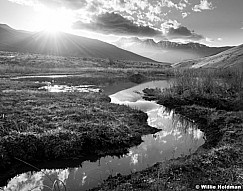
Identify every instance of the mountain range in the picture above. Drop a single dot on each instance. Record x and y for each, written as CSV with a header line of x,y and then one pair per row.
x,y
231,58
166,51
62,44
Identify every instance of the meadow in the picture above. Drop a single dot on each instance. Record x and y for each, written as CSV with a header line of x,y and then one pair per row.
x,y
74,125
13,63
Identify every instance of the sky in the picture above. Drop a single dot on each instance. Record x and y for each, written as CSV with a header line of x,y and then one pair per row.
x,y
210,22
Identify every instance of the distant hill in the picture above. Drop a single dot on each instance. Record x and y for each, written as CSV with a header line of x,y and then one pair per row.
x,y
62,44
229,58
166,51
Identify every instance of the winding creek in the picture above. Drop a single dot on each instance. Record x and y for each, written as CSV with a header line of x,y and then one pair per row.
x,y
178,137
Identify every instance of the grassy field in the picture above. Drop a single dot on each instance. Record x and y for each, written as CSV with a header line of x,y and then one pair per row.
x,y
12,64
213,99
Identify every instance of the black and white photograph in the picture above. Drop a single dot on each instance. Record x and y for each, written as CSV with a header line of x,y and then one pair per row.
x,y
114,95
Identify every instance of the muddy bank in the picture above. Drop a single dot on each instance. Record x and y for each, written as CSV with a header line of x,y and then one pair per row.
x,y
40,126
218,162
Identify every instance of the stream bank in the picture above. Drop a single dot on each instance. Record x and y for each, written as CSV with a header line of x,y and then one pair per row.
x,y
218,162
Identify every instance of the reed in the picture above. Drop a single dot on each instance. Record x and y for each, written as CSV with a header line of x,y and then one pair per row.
x,y
214,88
207,82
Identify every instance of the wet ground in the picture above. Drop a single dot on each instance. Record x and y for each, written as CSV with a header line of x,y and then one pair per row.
x,y
178,137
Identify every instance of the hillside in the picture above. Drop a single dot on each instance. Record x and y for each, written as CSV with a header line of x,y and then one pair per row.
x,y
61,44
166,51
229,58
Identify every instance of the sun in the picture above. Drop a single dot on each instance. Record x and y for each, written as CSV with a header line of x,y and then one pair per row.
x,y
52,28
54,21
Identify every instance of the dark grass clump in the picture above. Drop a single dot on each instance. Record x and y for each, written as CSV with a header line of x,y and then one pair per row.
x,y
137,78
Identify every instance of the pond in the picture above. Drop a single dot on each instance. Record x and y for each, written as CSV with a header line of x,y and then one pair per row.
x,y
178,137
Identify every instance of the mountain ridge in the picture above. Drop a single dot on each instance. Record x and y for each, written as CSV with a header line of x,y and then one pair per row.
x,y
167,51
61,44
167,43
227,59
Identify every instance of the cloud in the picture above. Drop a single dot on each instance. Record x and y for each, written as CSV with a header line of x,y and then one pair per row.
x,y
144,18
219,39
71,4
170,4
94,7
204,5
209,39
113,23
183,32
152,12
23,2
165,26
184,15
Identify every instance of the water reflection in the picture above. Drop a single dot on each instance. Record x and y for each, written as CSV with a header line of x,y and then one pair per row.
x,y
38,181
44,76
178,137
66,88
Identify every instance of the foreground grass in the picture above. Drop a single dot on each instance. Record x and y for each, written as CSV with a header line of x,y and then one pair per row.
x,y
38,126
213,100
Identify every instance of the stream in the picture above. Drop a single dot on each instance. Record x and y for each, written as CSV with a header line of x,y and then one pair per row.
x,y
178,137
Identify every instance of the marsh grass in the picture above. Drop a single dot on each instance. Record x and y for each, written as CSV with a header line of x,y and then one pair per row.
x,y
19,64
207,81
214,88
13,63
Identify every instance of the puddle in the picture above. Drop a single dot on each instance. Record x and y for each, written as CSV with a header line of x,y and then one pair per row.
x,y
178,137
66,88
43,76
